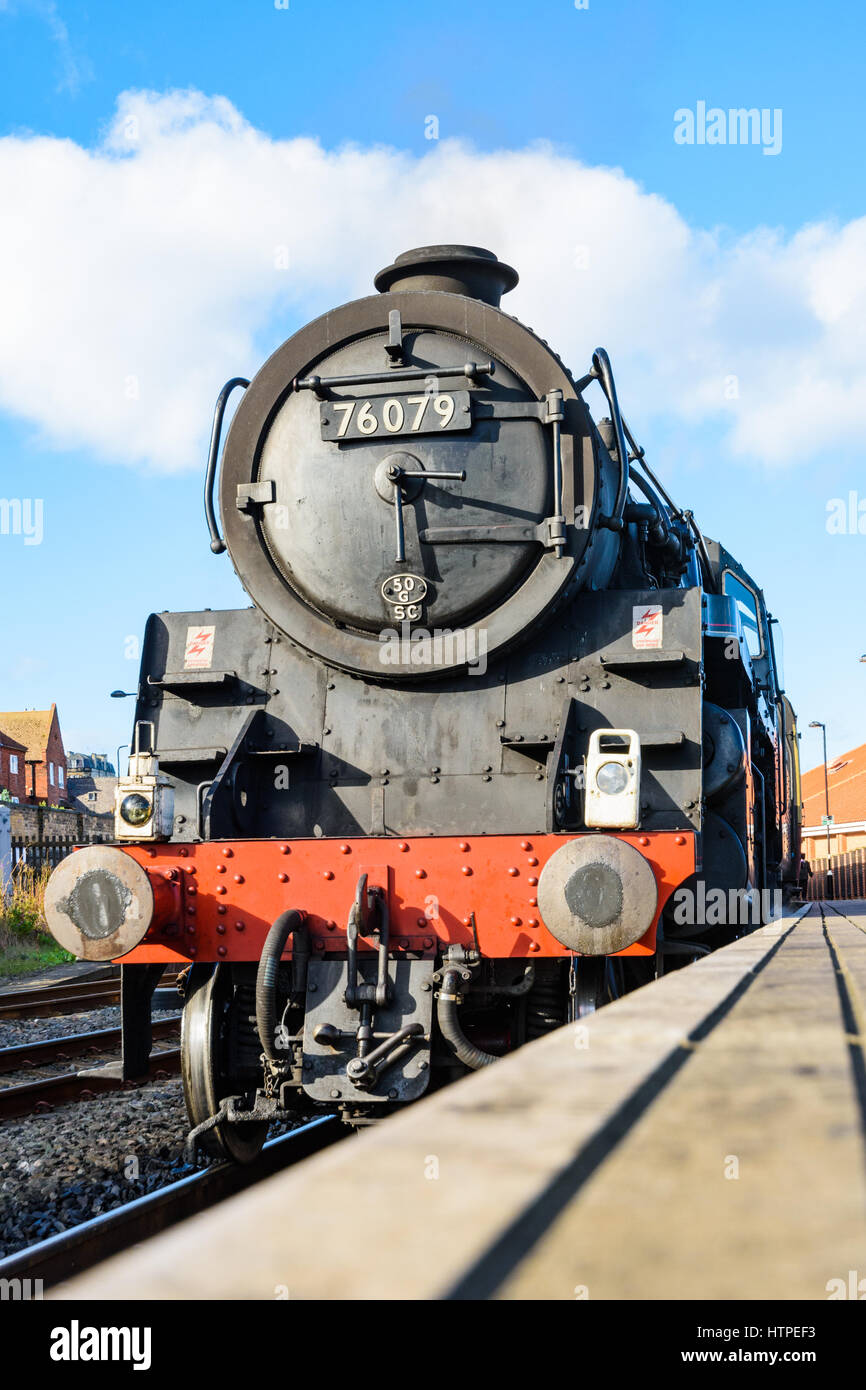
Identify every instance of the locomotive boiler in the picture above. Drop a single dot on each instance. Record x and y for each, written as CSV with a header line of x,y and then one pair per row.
x,y
501,737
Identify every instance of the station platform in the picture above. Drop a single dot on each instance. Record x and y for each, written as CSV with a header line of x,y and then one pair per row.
x,y
702,1138
73,970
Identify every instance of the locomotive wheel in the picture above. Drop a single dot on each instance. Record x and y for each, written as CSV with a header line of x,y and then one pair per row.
x,y
207,1064
594,986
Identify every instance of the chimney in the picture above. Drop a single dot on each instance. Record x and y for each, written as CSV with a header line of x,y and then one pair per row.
x,y
466,270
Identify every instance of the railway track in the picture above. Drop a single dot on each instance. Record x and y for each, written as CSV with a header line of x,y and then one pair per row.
x,y
35,1054
67,998
73,996
30,1097
83,1246
33,1096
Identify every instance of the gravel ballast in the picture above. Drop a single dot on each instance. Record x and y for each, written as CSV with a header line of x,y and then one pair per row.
x,y
16,1032
63,1167
66,1165
69,1164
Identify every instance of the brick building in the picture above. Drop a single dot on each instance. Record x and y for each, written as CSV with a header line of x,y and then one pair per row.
x,y
91,783
847,783
90,764
12,768
44,758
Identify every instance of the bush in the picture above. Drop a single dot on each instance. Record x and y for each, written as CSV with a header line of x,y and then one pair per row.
x,y
21,914
21,921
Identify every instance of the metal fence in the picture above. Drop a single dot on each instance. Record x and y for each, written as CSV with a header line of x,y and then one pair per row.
x,y
840,876
36,854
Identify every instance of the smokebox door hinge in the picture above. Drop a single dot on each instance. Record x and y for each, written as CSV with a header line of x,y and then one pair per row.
x,y
252,495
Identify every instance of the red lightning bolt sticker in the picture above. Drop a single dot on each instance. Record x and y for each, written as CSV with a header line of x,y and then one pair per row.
x,y
646,626
198,652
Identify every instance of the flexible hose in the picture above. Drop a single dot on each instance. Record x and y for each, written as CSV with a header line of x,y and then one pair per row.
x,y
662,529
449,1026
523,985
287,924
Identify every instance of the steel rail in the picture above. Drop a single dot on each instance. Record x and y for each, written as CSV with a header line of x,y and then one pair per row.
x,y
61,990
34,1054
31,1096
103,978
70,999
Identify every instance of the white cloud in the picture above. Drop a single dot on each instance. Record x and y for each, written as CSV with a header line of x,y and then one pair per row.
x,y
149,265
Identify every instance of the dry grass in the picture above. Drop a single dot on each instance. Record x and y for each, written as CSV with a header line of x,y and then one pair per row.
x,y
25,942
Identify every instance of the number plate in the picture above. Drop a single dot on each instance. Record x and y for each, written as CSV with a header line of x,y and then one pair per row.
x,y
384,417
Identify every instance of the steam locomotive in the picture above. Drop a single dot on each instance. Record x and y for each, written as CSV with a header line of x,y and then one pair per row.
x,y
502,736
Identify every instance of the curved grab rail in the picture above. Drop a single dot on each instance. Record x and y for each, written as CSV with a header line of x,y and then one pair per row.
x,y
217,544
601,369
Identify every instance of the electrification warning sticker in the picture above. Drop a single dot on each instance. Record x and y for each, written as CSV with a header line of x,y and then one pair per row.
x,y
646,627
198,652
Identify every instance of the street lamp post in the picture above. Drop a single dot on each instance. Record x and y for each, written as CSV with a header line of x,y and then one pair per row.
x,y
816,724
122,695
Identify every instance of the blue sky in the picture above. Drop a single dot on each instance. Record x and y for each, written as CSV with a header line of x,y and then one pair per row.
x,y
725,261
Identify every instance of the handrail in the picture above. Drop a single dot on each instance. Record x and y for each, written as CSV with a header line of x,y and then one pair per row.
x,y
601,369
217,544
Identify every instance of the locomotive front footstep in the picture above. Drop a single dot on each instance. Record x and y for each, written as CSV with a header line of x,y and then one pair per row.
x,y
699,1139
502,736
